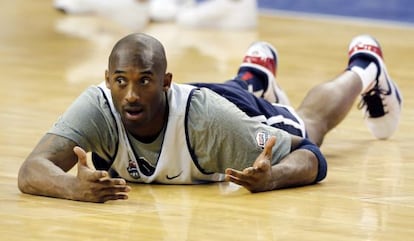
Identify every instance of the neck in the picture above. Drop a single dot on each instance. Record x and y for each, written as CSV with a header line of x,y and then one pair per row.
x,y
148,135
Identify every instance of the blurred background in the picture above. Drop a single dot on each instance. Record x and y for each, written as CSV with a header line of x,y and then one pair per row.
x,y
399,11
51,50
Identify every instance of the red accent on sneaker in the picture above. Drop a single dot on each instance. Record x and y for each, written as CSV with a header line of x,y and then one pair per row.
x,y
246,76
361,46
268,63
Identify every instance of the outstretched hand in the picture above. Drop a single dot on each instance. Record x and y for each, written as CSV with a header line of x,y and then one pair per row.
x,y
97,186
257,178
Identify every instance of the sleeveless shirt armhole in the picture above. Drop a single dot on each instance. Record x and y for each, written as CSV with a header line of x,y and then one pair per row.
x,y
112,158
187,136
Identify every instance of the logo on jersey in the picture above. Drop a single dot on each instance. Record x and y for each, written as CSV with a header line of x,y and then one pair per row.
x,y
261,139
133,169
173,177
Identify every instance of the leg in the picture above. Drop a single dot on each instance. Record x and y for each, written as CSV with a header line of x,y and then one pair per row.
x,y
327,104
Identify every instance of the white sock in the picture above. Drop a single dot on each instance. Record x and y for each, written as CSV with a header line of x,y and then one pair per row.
x,y
367,75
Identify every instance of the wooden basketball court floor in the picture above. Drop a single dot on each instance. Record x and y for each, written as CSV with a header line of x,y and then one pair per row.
x,y
47,59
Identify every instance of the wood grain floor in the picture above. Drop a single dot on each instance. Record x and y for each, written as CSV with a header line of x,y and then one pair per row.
x,y
47,59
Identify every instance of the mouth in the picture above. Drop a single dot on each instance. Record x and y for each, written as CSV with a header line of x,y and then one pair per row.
x,y
133,113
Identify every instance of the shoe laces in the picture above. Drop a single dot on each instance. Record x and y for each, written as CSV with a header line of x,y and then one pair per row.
x,y
373,101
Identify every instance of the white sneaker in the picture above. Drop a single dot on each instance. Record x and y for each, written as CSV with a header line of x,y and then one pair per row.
x,y
262,56
131,14
220,14
75,6
167,10
382,101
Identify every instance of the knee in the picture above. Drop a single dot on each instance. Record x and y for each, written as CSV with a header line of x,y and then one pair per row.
x,y
316,130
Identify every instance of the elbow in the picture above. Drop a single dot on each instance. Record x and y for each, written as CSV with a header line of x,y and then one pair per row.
x,y
319,166
319,159
23,179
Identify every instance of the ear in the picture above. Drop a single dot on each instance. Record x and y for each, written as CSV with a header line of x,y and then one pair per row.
x,y
167,81
107,79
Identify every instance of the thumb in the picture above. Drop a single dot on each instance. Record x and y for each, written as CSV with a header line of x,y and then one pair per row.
x,y
265,157
82,159
83,169
269,147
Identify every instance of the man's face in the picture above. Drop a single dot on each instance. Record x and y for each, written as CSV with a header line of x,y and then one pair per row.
x,y
138,92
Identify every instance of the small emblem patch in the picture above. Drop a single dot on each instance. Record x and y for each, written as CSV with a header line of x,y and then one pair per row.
x,y
133,169
261,139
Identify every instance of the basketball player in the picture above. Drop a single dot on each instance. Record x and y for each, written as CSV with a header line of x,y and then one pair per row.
x,y
142,127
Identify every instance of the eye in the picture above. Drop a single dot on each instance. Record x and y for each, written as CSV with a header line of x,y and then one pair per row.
x,y
144,81
120,80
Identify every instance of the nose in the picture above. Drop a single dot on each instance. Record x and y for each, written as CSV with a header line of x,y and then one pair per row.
x,y
132,95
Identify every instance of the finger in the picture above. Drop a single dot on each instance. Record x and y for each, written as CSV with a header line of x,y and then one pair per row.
x,y
87,174
247,174
119,196
114,185
266,155
232,172
81,155
237,177
269,146
98,175
112,181
114,191
228,173
92,175
238,181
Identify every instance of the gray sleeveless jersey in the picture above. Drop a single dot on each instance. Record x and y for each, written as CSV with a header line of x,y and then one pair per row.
x,y
220,135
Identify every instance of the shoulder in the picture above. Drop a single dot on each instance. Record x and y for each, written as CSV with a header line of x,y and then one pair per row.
x,y
88,121
88,110
92,99
93,94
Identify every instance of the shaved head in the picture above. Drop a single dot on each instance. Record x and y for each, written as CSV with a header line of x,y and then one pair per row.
x,y
141,50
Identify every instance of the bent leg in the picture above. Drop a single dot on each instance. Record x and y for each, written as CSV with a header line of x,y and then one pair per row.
x,y
327,104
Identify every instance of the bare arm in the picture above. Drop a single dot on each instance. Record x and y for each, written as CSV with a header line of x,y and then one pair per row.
x,y
298,168
44,172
